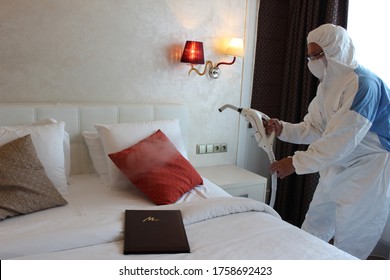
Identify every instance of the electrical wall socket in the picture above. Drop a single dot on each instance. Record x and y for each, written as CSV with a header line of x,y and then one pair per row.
x,y
211,148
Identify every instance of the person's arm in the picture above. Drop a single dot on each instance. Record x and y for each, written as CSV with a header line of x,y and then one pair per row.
x,y
305,132
302,133
344,131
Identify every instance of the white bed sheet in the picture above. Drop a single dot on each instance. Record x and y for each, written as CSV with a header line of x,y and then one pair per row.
x,y
218,226
227,237
94,214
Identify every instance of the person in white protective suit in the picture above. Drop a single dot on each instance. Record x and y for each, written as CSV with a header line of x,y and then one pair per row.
x,y
347,128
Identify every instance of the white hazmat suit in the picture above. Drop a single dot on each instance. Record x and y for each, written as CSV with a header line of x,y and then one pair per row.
x,y
348,129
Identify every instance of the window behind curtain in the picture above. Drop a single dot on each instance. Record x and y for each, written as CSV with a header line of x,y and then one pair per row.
x,y
369,28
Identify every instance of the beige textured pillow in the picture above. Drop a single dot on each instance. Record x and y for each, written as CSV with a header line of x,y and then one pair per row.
x,y
24,185
48,140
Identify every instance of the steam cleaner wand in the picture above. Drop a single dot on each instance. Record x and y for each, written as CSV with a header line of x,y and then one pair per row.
x,y
264,141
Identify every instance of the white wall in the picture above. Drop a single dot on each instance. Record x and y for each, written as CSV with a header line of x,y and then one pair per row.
x,y
370,36
117,51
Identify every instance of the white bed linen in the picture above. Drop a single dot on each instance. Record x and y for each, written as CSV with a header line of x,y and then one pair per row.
x,y
94,215
218,227
233,237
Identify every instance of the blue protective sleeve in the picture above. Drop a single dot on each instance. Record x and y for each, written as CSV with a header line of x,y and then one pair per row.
x,y
372,101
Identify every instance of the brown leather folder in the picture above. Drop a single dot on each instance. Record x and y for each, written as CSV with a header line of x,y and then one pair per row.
x,y
154,232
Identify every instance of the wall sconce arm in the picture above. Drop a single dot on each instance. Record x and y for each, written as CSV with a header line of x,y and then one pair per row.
x,y
227,63
208,63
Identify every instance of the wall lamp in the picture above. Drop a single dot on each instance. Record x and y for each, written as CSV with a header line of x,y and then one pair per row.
x,y
193,54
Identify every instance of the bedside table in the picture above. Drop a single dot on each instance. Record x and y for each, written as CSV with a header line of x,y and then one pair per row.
x,y
236,181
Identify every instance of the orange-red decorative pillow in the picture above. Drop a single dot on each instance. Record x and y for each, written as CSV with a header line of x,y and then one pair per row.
x,y
157,168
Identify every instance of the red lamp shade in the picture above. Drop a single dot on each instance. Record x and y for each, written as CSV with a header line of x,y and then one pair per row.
x,y
193,53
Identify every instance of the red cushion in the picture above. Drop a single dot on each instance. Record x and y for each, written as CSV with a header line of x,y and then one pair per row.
x,y
157,168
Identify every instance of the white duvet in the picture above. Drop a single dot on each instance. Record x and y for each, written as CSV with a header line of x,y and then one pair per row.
x,y
218,226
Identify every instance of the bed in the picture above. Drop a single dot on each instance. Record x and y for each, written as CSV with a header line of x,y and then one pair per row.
x,y
97,190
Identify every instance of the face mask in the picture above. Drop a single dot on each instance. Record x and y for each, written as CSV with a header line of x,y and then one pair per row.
x,y
317,68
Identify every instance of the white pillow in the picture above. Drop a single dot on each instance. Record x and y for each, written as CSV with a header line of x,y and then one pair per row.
x,y
96,152
48,140
66,146
67,157
117,137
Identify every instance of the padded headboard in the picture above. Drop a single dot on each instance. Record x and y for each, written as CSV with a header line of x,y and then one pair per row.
x,y
81,117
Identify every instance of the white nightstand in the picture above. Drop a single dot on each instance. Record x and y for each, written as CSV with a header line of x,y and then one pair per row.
x,y
236,181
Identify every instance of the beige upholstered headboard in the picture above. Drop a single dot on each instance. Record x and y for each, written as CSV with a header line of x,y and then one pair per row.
x,y
81,117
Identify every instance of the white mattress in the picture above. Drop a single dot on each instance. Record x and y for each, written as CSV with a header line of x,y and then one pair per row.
x,y
218,226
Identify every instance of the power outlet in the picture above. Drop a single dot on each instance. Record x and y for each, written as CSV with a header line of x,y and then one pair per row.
x,y
211,148
220,148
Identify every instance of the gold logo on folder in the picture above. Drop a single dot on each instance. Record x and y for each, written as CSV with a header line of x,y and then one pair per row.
x,y
150,219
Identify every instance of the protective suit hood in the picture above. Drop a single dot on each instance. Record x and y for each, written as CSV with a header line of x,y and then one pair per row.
x,y
338,49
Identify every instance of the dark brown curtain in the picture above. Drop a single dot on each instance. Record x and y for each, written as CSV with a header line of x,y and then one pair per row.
x,y
283,86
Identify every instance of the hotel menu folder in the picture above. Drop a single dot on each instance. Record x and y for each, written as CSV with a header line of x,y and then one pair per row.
x,y
154,232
